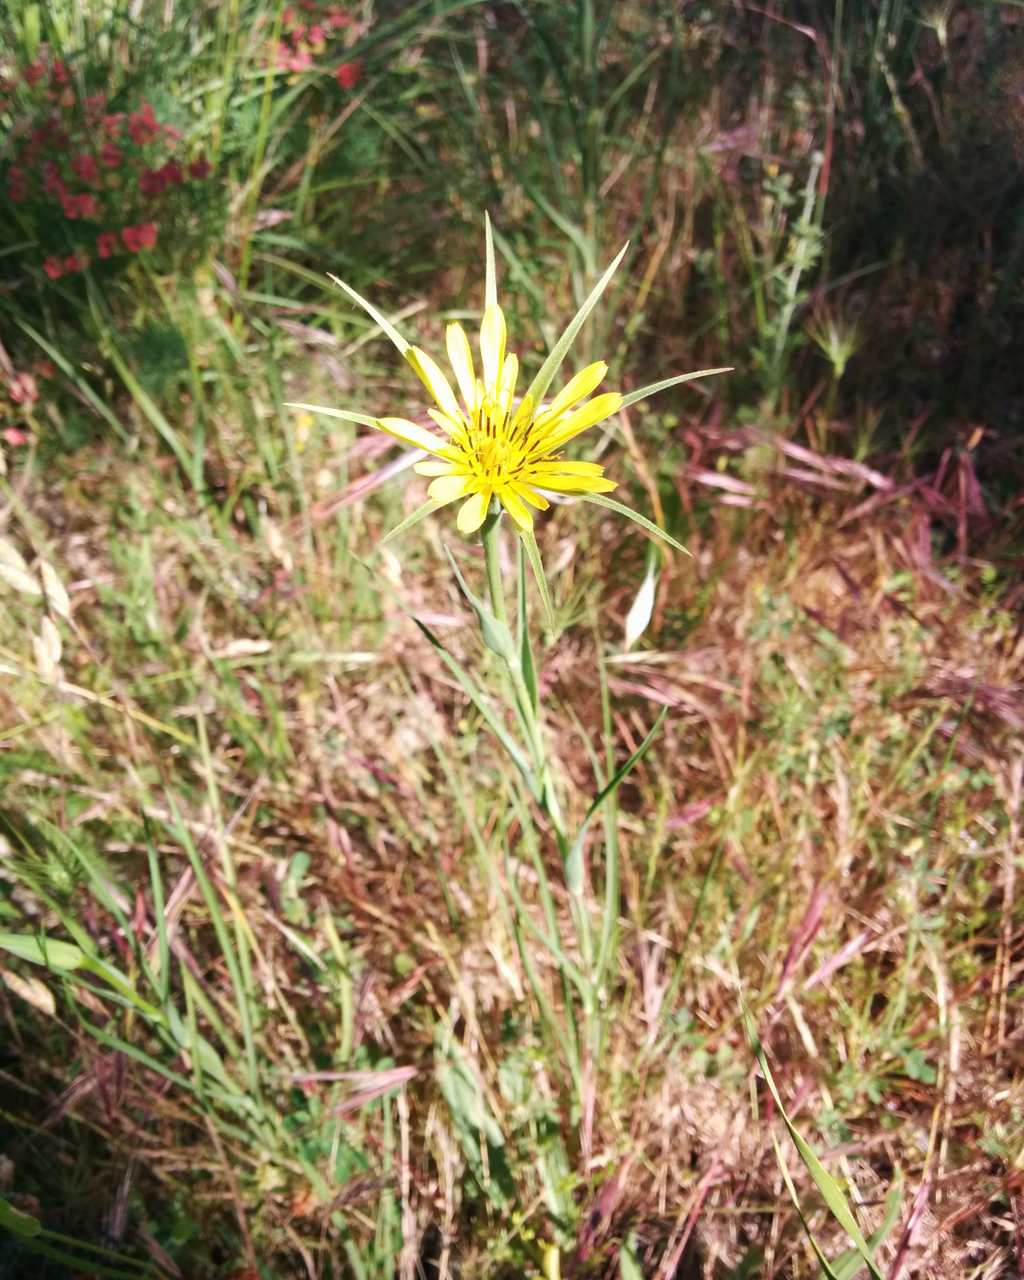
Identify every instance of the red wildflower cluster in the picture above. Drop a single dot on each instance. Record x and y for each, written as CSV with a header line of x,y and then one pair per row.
x,y
108,168
309,30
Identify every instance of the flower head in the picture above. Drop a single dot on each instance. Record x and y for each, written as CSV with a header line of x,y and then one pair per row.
x,y
139,237
494,448
348,74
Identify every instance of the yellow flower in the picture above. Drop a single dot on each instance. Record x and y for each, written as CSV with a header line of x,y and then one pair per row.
x,y
490,445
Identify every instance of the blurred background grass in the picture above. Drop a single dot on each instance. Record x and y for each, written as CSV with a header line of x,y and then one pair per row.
x,y
223,745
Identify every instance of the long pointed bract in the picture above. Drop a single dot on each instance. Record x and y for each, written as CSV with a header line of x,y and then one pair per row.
x,y
553,363
654,387
374,315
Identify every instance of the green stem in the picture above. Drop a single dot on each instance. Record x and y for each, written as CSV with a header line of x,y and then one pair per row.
x,y
491,538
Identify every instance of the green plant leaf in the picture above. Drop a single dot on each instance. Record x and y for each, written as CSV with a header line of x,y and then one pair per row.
x,y
629,1263
529,542
18,1223
546,373
827,1186
496,634
600,500
574,861
479,701
49,952
526,663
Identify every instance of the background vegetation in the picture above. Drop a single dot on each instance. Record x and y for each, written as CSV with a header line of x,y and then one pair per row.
x,y
266,1011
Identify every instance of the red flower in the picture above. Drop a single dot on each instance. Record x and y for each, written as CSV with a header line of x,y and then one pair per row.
x,y
113,124
16,435
200,169
85,166
106,244
152,182
142,124
34,72
315,35
288,17
336,18
172,174
111,155
74,263
16,187
59,73
53,184
142,236
349,74
54,268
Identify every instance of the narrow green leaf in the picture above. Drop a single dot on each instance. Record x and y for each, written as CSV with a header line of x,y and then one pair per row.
x,y
626,769
466,683
381,320
526,663
823,1180
826,1267
81,384
574,861
497,636
665,383
849,1263
629,1263
419,514
18,1223
599,499
553,363
491,275
39,949
529,543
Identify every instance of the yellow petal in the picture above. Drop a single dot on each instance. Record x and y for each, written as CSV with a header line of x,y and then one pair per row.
x,y
473,512
492,347
530,495
575,390
587,416
434,468
515,506
575,484
509,376
419,437
446,424
460,353
448,488
435,382
566,467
